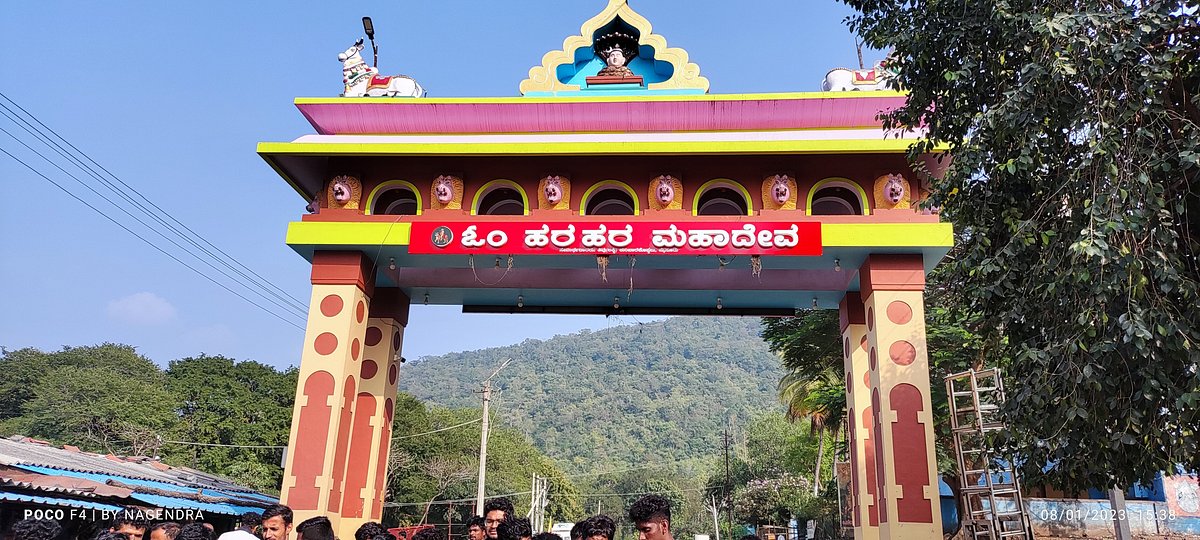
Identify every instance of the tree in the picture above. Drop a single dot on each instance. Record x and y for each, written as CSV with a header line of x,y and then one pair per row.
x,y
822,401
221,401
118,406
1072,132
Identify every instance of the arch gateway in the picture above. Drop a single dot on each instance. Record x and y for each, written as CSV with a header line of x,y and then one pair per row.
x,y
615,184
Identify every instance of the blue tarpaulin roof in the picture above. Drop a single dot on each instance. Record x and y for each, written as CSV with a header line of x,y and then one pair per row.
x,y
57,501
163,501
167,501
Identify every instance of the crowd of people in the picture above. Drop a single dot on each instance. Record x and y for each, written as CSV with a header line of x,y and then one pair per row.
x,y
651,515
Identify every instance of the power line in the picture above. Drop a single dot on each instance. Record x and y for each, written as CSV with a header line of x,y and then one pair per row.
x,y
135,218
189,443
469,422
152,210
139,237
449,501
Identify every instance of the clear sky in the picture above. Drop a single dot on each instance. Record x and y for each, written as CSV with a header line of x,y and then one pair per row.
x,y
173,96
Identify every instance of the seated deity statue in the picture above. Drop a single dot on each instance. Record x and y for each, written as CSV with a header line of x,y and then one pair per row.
x,y
616,49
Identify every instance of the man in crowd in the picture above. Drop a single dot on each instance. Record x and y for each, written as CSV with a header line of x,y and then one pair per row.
x,y
247,524
428,533
277,522
194,531
35,529
475,528
651,515
166,530
129,523
515,529
495,512
370,530
599,527
315,528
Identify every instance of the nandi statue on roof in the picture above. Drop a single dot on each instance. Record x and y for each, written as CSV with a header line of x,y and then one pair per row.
x,y
363,80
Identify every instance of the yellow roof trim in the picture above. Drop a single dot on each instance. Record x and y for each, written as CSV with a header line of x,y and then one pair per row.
x,y
852,146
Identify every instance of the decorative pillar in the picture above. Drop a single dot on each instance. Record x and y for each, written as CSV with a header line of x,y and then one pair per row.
x,y
370,439
892,288
327,387
863,485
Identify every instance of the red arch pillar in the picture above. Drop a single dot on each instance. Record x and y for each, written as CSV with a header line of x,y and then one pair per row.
x,y
341,424
893,288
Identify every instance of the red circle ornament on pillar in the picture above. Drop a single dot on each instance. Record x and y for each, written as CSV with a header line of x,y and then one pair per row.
x,y
903,353
396,342
325,344
355,348
874,360
331,305
870,318
392,372
374,336
368,370
899,312
361,311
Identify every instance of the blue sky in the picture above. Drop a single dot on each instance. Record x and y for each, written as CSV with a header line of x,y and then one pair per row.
x,y
173,96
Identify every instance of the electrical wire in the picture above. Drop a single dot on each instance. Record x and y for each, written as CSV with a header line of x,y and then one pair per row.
x,y
135,218
189,443
152,210
151,244
449,501
467,423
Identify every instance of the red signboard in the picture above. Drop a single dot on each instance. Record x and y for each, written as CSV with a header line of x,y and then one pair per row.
x,y
616,238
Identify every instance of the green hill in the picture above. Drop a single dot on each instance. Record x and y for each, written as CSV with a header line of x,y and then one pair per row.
x,y
648,393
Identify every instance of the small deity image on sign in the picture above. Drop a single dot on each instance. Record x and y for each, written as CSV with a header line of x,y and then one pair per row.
x,y
616,49
441,237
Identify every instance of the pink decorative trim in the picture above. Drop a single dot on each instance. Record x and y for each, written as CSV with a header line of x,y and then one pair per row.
x,y
397,117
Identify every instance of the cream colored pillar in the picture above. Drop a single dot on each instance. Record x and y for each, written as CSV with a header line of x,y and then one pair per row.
x,y
905,460
863,486
328,385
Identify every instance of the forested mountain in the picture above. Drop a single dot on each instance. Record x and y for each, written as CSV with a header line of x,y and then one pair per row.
x,y
647,393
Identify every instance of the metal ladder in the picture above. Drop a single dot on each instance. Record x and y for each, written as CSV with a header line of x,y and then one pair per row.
x,y
989,485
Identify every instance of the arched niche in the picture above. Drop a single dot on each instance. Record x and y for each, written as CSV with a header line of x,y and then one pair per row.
x,y
722,197
609,198
500,198
837,197
396,198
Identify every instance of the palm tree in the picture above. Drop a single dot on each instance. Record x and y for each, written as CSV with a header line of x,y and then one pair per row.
x,y
822,401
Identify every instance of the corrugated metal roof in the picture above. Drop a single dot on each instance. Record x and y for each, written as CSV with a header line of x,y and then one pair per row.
x,y
56,501
138,477
83,487
162,501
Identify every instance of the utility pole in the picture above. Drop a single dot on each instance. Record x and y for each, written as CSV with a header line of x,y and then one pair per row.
x,y
483,439
728,487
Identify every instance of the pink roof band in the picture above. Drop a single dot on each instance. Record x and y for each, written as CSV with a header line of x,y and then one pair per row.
x,y
375,116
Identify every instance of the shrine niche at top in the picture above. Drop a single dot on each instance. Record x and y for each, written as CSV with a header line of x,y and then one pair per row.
x,y
612,184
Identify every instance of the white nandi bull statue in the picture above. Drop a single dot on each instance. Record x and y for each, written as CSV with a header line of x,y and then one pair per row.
x,y
845,79
363,80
